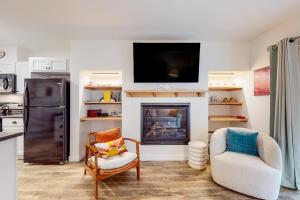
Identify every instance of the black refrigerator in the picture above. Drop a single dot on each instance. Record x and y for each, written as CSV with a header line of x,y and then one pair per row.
x,y
46,120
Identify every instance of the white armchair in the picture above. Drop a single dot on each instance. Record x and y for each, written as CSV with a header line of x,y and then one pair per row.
x,y
259,177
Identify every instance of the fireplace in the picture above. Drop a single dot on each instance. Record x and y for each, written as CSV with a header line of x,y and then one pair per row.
x,y
165,123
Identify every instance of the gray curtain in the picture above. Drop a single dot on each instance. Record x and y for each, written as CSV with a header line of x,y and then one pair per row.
x,y
287,111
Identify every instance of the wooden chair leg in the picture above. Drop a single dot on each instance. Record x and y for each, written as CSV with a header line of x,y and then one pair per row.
x,y
84,172
96,189
138,172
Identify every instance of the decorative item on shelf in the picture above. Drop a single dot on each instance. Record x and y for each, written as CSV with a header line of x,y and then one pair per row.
x,y
241,117
111,100
225,100
104,115
115,114
213,99
94,113
119,96
107,95
233,100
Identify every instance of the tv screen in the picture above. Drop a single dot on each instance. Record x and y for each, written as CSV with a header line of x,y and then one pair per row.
x,y
166,62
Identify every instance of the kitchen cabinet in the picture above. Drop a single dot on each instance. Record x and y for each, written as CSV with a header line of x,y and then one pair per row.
x,y
14,124
22,71
48,64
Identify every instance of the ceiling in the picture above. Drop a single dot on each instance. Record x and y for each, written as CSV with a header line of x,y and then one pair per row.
x,y
51,24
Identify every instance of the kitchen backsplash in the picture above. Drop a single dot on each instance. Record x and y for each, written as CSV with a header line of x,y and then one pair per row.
x,y
11,98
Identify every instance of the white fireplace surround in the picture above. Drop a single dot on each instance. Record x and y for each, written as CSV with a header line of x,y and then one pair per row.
x,y
132,127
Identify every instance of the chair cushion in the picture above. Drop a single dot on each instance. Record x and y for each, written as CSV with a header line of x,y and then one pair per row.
x,y
241,142
114,161
111,148
108,135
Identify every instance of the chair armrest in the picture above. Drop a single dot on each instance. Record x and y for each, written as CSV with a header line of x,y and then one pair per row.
x,y
133,140
137,145
92,149
91,137
218,142
269,151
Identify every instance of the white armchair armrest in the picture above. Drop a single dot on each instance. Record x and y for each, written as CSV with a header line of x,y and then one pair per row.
x,y
218,142
269,151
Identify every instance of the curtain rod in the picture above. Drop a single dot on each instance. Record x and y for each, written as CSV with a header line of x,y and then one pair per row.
x,y
292,39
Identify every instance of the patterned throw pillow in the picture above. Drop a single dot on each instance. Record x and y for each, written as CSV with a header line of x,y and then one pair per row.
x,y
111,148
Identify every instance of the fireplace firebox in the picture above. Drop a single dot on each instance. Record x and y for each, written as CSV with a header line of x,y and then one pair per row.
x,y
165,124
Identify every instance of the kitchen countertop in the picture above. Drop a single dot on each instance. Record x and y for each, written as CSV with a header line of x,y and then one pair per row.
x,y
9,135
12,116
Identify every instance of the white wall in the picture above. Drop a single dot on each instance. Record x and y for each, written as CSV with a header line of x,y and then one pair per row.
x,y
117,55
259,57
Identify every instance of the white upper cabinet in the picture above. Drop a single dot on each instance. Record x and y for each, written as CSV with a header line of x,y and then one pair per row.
x,y
58,64
48,64
39,64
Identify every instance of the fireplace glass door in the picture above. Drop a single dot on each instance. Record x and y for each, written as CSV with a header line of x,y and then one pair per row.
x,y
165,124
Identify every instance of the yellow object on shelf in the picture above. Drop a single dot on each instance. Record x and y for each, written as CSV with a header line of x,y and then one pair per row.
x,y
107,95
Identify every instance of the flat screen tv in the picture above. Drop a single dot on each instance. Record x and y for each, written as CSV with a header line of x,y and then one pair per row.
x,y
166,62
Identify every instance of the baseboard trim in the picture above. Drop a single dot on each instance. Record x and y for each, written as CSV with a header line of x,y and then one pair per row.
x,y
164,157
20,155
74,158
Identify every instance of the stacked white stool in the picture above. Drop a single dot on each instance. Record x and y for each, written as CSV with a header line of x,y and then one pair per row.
x,y
197,155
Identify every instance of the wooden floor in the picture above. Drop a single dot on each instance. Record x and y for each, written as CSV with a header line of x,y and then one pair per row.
x,y
159,180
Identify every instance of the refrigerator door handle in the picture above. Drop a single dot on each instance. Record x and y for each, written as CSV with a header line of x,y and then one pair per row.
x,y
26,96
25,119
62,92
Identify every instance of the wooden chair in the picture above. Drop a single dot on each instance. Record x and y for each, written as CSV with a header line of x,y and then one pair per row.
x,y
92,162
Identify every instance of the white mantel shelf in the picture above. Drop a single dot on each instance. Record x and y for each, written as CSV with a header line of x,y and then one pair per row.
x,y
165,93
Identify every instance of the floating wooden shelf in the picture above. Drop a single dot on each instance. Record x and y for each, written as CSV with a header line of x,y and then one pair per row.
x,y
224,88
100,119
228,103
97,102
165,93
225,118
88,87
